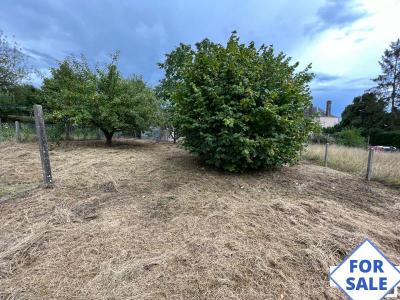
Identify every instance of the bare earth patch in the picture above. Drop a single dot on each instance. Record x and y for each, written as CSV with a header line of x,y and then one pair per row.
x,y
147,221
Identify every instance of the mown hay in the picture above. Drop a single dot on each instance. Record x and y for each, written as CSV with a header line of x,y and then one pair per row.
x,y
148,221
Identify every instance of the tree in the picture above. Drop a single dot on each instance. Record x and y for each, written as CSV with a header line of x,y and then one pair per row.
x,y
238,108
169,86
13,67
71,83
121,104
18,101
101,97
389,82
366,112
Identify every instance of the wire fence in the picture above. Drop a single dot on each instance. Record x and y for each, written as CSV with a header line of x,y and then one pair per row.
x,y
55,133
58,132
371,164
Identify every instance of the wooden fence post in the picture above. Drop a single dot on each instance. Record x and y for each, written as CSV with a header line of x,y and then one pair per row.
x,y
43,146
17,132
369,164
326,155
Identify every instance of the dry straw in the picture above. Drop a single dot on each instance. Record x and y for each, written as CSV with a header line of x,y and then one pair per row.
x,y
147,221
386,165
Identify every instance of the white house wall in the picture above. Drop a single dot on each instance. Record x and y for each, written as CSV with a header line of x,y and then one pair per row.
x,y
328,121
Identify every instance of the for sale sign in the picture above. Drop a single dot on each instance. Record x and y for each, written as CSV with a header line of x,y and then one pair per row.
x,y
366,274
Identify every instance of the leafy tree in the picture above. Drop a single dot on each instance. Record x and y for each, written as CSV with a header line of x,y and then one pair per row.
x,y
392,121
102,97
174,67
366,112
13,67
389,82
121,104
238,108
19,100
71,83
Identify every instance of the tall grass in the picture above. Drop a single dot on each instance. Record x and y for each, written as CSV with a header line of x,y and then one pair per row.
x,y
386,165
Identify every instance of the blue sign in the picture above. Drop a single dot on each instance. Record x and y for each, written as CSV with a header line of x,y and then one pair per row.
x,y
366,274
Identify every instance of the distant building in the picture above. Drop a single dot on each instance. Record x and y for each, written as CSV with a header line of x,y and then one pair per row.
x,y
324,117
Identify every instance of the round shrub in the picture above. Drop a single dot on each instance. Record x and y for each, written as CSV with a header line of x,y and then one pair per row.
x,y
238,107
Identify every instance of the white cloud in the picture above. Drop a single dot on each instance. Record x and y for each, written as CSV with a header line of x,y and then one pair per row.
x,y
353,52
344,39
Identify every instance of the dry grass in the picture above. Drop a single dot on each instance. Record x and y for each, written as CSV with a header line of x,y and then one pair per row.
x,y
146,221
386,165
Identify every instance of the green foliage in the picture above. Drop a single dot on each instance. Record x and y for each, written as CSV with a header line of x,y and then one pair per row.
x,y
322,138
392,121
388,83
168,120
55,132
350,137
77,95
366,112
334,129
238,107
168,117
385,138
71,84
19,101
13,67
7,132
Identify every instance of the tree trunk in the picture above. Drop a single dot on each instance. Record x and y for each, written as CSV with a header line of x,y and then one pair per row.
x,y
394,87
67,132
108,136
393,96
174,136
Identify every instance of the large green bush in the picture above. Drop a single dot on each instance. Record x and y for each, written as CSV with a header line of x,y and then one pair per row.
x,y
238,107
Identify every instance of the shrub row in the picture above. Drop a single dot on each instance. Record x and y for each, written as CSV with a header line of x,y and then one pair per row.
x,y
385,138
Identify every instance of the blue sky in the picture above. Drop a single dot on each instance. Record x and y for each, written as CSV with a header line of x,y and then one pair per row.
x,y
343,39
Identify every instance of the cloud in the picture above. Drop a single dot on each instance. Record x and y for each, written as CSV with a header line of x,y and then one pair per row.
x,y
323,77
335,14
39,55
343,39
144,31
323,80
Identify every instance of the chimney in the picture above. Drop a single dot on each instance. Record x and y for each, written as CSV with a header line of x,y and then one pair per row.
x,y
328,108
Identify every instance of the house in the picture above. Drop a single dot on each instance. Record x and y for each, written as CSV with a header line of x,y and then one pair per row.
x,y
324,117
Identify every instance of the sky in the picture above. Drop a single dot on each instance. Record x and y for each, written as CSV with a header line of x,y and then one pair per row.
x,y
343,39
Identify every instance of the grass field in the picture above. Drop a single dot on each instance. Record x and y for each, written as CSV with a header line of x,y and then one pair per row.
x,y
146,221
386,165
